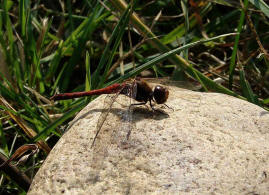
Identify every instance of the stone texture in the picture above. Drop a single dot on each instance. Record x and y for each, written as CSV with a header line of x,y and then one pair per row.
x,y
209,144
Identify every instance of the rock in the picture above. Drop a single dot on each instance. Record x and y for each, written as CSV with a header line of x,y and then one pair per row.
x,y
209,144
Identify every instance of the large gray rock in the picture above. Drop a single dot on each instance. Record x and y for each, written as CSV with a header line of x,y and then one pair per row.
x,y
210,144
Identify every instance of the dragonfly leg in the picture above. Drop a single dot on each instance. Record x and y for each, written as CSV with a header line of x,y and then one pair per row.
x,y
168,107
137,104
152,107
157,110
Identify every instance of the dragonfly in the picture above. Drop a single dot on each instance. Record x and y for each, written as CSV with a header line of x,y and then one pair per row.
x,y
111,147
138,90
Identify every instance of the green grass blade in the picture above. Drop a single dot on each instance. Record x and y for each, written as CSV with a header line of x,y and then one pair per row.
x,y
7,93
22,17
11,54
261,5
184,5
88,73
107,55
122,25
246,89
41,41
265,101
233,59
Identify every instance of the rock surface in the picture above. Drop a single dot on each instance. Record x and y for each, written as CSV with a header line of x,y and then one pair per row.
x,y
210,144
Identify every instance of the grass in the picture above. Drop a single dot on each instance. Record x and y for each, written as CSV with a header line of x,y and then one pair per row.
x,y
48,48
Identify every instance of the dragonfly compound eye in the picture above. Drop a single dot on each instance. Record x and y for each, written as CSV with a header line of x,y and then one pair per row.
x,y
160,94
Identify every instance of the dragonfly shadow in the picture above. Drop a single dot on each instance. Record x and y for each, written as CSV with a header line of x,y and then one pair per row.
x,y
139,113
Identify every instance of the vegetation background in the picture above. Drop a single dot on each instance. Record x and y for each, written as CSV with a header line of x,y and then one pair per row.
x,y
49,47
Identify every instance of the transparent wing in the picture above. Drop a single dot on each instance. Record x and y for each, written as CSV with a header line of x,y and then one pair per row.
x,y
130,123
101,140
108,132
125,126
112,138
109,100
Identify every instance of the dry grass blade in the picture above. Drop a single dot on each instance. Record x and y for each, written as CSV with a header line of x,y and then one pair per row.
x,y
254,32
38,95
20,151
42,34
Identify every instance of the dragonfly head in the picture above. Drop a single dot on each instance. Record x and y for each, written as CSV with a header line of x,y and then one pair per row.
x,y
160,94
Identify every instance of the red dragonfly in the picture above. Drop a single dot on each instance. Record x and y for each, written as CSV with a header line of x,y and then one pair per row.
x,y
138,90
